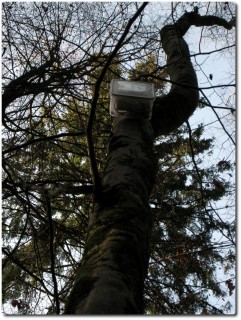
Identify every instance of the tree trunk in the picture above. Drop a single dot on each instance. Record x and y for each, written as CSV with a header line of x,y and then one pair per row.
x,y
111,277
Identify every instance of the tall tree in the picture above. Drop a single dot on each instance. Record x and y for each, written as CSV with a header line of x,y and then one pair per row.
x,y
57,211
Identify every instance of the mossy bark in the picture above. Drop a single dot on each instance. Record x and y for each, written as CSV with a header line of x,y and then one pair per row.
x,y
111,277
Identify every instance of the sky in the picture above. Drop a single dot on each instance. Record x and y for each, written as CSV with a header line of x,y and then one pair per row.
x,y
219,68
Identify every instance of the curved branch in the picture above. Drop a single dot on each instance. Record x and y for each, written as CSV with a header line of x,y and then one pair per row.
x,y
172,110
189,19
93,164
18,87
27,143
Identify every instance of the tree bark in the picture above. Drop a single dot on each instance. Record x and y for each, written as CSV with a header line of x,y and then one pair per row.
x,y
172,110
111,277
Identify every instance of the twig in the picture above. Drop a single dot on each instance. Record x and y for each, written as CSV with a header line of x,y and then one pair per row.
x,y
21,266
218,117
201,188
51,249
27,143
93,164
195,165
21,235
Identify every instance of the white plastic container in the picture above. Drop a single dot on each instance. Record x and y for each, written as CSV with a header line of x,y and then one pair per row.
x,y
131,96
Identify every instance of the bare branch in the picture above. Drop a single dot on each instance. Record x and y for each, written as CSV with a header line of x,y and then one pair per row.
x,y
52,253
222,125
94,169
24,145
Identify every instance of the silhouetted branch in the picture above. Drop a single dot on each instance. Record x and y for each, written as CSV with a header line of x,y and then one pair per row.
x,y
215,112
51,250
21,266
25,144
93,164
189,19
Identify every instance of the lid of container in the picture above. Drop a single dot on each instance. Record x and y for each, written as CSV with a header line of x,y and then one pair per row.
x,y
132,89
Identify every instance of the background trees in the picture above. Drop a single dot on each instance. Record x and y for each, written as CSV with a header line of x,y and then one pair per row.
x,y
53,56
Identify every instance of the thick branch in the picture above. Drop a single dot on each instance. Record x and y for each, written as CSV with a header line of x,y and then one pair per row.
x,y
194,19
21,86
172,110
